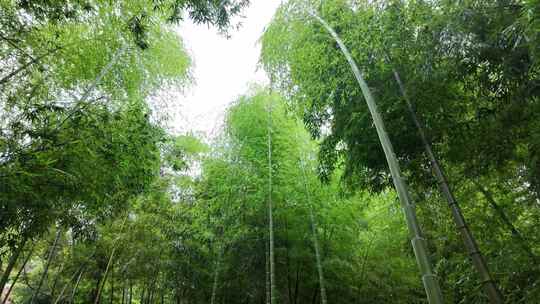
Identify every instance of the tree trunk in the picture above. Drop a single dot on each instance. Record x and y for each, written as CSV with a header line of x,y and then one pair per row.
x,y
504,218
26,65
419,243
112,284
123,292
297,283
102,284
142,295
75,275
4,301
93,86
48,263
314,233
56,278
288,261
111,257
72,298
11,263
267,266
216,277
270,215
490,288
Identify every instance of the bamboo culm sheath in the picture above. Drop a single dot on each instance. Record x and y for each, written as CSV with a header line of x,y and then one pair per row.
x,y
429,279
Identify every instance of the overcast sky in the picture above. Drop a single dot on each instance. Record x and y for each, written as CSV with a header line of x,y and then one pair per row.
x,y
223,68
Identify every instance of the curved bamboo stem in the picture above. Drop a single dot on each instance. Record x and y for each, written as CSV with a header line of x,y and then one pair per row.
x,y
419,243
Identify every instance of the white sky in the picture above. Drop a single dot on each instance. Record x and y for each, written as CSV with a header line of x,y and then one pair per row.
x,y
223,68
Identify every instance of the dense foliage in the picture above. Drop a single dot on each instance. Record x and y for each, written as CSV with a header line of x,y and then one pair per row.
x,y
292,202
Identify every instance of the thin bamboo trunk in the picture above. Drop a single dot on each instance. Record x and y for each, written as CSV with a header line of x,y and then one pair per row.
x,y
26,65
11,264
216,277
490,287
93,85
123,292
112,284
267,266
56,278
102,283
314,233
270,208
74,291
75,275
419,243
6,297
504,218
297,283
48,263
288,261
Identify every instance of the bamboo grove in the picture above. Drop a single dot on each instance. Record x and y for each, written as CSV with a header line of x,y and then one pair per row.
x,y
393,158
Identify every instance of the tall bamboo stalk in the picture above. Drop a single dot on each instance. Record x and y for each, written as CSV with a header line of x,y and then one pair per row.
x,y
419,244
6,297
104,280
490,287
314,232
270,215
26,65
130,292
267,268
216,277
11,263
57,277
81,102
109,263
77,274
48,263
74,291
504,218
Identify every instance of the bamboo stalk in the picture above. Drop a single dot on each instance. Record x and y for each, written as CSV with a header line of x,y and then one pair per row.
x,y
216,277
93,85
270,208
11,263
71,300
419,243
49,259
314,232
77,274
504,218
490,287
6,297
115,246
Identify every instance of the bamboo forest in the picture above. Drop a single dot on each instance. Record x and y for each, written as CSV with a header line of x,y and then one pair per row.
x,y
390,153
